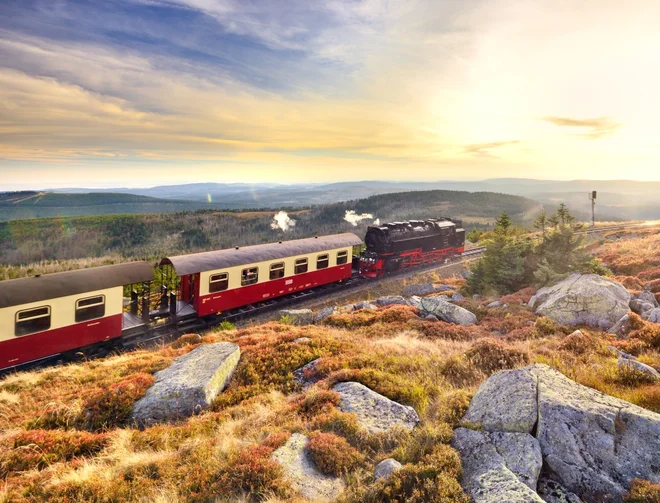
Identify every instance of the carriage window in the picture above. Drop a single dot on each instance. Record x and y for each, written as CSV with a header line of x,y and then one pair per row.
x,y
249,276
342,257
218,282
322,261
32,321
90,308
277,270
301,266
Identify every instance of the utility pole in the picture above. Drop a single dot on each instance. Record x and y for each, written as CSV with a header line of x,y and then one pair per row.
x,y
592,198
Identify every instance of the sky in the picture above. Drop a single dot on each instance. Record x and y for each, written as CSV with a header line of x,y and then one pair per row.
x,y
149,92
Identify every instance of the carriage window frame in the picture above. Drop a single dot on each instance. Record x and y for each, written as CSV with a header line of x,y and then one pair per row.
x,y
342,257
91,310
301,265
22,321
247,279
217,284
277,270
325,257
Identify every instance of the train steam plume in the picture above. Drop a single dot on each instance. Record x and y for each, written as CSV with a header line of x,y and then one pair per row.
x,y
282,221
353,218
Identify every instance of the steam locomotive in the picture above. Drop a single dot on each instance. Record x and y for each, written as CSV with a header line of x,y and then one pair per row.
x,y
402,245
55,316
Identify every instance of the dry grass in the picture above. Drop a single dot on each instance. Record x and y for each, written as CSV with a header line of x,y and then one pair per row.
x,y
86,449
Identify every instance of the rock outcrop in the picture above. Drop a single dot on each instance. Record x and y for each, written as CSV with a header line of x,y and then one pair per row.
x,y
592,444
303,475
425,289
322,314
385,468
499,467
374,412
391,300
446,311
586,299
298,316
622,328
654,316
632,365
302,374
649,297
641,307
189,385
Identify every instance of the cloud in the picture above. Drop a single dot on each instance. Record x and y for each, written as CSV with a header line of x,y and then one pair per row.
x,y
484,149
598,127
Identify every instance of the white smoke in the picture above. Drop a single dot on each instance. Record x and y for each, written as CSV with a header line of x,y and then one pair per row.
x,y
353,218
282,221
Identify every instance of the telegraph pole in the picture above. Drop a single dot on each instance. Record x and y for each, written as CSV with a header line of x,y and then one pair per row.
x,y
592,197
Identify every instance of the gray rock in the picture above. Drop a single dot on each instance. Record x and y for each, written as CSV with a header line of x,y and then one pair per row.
x,y
348,307
641,307
365,305
298,316
374,411
532,301
431,317
638,367
385,468
448,312
647,296
654,316
303,475
420,289
553,492
300,375
415,302
593,444
188,385
475,296
505,402
457,297
391,300
322,314
621,328
301,340
622,354
586,299
499,467
495,303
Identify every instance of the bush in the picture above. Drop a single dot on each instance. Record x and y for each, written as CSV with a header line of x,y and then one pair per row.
x,y
423,440
332,454
225,325
253,472
186,340
41,448
461,372
546,327
643,491
319,401
579,343
112,407
417,484
490,355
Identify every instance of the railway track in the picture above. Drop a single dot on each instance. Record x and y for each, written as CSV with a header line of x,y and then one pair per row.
x,y
263,311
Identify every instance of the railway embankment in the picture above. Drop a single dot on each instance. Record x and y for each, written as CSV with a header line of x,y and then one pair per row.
x,y
378,397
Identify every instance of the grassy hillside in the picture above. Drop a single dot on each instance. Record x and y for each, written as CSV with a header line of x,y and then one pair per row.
x,y
66,433
155,235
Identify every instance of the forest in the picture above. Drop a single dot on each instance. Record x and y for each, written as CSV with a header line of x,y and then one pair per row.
x,y
44,245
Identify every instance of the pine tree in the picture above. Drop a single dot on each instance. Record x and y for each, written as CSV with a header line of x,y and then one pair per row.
x,y
541,221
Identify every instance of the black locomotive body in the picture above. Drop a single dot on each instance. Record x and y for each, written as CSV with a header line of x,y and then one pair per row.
x,y
400,245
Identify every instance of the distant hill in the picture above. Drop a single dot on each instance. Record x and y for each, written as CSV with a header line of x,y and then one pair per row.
x,y
33,204
618,199
155,235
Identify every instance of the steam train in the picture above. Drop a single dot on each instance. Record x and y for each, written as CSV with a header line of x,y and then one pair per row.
x,y
55,316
